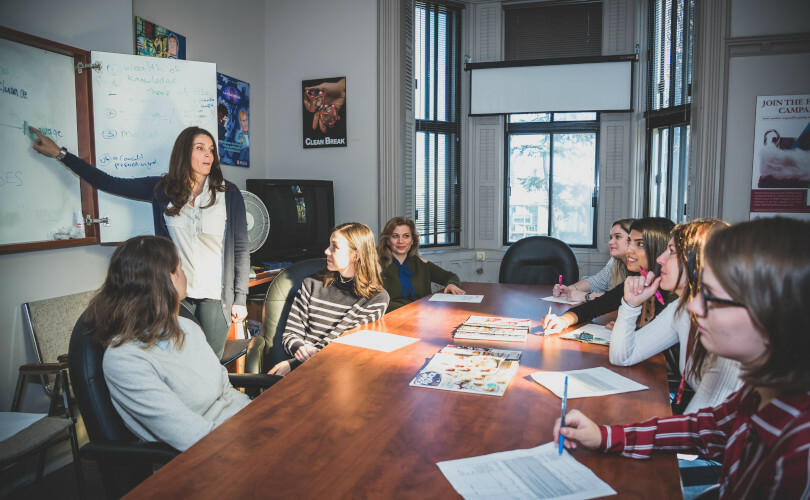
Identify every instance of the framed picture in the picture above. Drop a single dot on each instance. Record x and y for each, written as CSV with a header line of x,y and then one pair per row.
x,y
157,41
324,112
233,121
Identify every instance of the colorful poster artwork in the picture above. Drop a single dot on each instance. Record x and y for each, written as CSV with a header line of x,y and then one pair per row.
x,y
233,121
781,171
156,41
324,112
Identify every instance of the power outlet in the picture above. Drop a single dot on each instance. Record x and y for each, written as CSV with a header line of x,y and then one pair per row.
x,y
480,256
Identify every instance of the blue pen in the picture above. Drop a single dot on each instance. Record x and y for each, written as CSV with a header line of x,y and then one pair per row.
x,y
562,421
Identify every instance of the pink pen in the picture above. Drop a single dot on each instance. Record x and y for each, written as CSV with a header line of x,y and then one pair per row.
x,y
657,293
559,280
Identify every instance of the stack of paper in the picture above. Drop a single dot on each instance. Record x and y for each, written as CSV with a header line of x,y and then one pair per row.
x,y
474,370
494,328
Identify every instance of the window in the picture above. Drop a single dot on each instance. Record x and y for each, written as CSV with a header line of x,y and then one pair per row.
x,y
551,176
437,108
669,83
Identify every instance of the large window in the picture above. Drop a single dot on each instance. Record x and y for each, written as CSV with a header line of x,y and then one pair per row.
x,y
669,83
551,175
437,107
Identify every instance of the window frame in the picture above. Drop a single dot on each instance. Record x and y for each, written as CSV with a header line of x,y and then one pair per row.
x,y
552,127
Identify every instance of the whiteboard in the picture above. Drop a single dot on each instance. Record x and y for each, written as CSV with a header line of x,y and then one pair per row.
x,y
37,194
140,105
601,86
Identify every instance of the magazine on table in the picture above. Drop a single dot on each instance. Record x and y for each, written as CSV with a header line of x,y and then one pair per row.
x,y
473,370
494,328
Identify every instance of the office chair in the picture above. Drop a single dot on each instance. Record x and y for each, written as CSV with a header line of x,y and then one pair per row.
x,y
539,260
266,351
123,460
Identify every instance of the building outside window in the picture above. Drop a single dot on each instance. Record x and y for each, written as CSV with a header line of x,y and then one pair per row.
x,y
437,109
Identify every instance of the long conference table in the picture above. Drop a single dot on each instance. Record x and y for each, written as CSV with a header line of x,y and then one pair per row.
x,y
346,424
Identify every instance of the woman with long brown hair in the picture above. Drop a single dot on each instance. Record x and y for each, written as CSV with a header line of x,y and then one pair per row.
x,y
164,380
345,295
712,378
201,212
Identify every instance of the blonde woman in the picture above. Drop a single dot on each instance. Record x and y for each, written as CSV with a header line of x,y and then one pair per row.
x,y
345,295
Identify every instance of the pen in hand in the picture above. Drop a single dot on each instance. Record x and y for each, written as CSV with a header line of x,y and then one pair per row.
x,y
657,293
562,420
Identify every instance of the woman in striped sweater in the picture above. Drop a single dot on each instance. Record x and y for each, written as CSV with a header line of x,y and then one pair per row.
x,y
345,295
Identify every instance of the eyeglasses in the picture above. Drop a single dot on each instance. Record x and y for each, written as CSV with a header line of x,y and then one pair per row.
x,y
707,298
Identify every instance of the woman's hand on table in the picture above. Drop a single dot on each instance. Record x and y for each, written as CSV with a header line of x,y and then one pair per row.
x,y
555,324
560,290
453,289
579,430
305,352
281,369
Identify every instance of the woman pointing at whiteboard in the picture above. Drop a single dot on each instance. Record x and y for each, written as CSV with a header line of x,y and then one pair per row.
x,y
201,212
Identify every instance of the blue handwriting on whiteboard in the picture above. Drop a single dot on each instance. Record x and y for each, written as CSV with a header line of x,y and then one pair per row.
x,y
11,178
21,93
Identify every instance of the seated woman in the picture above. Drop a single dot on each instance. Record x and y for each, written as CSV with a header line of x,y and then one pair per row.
x,y
164,379
406,275
711,377
345,295
751,307
648,239
614,272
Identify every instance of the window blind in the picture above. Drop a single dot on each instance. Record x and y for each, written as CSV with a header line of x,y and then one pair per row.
x,y
542,31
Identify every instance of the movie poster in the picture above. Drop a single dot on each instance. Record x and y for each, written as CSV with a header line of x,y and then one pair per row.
x,y
781,170
156,41
233,121
324,112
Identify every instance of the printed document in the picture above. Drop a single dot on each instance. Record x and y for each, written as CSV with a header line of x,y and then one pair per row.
x,y
597,381
523,474
561,300
449,297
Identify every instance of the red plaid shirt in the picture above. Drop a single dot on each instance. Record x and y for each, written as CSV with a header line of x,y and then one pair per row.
x,y
765,453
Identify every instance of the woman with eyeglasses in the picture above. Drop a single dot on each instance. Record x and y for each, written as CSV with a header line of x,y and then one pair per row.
x,y
711,377
648,238
752,307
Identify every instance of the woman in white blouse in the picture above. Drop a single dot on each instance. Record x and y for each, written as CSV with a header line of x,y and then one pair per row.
x,y
712,378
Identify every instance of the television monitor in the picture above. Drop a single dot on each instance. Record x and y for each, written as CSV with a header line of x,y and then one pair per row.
x,y
302,215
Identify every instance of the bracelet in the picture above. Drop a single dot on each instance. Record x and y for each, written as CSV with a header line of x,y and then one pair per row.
x,y
588,297
62,153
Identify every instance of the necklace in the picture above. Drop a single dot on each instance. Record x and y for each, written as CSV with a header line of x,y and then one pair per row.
x,y
344,280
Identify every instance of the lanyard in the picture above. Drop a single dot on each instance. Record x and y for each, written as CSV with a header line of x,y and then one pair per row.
x,y
682,384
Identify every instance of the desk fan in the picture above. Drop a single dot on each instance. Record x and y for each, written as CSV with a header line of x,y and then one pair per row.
x,y
258,220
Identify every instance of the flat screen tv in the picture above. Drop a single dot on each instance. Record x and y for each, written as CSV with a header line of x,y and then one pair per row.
x,y
302,214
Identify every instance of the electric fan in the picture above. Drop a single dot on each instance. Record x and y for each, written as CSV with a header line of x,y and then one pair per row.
x,y
258,220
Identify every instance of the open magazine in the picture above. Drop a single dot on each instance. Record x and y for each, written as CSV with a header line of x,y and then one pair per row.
x,y
475,370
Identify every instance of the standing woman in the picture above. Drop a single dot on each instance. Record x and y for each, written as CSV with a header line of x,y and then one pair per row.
x,y
405,274
201,212
614,272
752,308
345,295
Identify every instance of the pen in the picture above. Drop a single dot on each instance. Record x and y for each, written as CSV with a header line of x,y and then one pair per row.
x,y
657,293
562,420
559,280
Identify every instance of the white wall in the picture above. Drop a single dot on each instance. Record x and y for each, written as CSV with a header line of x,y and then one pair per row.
x,y
309,39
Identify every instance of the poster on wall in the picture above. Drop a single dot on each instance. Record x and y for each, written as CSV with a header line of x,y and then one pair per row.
x,y
324,112
781,171
233,121
157,41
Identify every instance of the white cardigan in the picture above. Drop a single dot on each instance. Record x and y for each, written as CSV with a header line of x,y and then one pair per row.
x,y
628,346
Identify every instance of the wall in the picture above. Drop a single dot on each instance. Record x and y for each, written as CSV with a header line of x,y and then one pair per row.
x,y
308,39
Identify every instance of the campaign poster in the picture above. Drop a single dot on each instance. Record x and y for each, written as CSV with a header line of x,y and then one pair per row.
x,y
781,171
324,112
157,41
233,121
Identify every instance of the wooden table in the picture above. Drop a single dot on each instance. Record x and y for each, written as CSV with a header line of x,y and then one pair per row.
x,y
345,424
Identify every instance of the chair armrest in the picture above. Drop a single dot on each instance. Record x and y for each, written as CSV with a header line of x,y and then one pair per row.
x,y
62,358
253,358
253,380
42,368
128,452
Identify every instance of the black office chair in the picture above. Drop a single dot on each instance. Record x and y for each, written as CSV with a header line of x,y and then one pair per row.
x,y
539,260
266,351
123,460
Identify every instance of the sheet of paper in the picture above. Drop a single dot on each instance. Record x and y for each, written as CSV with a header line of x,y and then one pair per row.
x,y
597,381
449,297
523,474
379,341
561,300
12,422
601,335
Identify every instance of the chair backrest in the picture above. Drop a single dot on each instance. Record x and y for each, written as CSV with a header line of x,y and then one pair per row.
x,y
278,300
539,260
87,377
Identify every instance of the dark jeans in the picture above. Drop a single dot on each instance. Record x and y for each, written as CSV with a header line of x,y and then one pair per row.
x,y
209,313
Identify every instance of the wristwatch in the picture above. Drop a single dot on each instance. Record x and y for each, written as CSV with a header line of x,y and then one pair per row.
x,y
588,297
62,153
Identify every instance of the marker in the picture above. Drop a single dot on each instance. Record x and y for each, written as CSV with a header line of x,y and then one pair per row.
x,y
559,280
562,420
657,293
